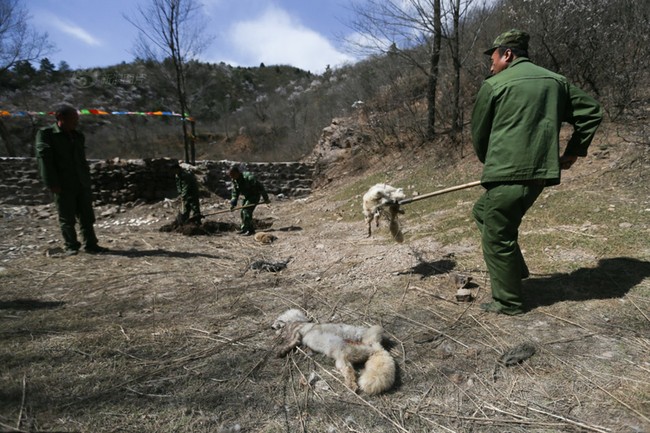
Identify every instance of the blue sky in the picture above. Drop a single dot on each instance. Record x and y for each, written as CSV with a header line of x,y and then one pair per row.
x,y
305,33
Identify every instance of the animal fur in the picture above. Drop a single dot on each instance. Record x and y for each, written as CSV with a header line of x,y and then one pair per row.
x,y
382,200
346,344
265,238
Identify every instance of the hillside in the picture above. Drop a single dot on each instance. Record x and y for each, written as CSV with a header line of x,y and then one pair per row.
x,y
169,332
253,113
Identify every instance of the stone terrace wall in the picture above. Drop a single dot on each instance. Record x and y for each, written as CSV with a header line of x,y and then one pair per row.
x,y
122,181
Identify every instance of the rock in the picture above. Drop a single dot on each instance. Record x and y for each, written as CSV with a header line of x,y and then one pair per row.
x,y
54,252
464,295
110,212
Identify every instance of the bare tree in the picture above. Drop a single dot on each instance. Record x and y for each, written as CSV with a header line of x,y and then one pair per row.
x,y
606,27
454,32
397,26
18,43
172,30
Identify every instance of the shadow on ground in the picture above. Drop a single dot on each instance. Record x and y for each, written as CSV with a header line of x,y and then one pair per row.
x,y
427,269
611,278
159,253
29,304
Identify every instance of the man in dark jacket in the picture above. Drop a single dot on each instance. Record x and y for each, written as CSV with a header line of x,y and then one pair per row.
x,y
252,190
516,124
60,149
188,191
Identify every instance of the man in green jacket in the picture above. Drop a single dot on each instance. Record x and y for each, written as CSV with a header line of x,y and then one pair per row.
x,y
515,132
188,191
246,185
60,149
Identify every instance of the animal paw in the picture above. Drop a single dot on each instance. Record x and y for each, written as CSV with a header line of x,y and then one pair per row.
x,y
352,385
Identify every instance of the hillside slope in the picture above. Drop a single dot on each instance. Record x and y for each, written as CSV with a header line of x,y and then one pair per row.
x,y
169,332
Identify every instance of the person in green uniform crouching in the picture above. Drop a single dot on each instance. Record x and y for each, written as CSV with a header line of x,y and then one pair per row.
x,y
245,184
61,154
188,190
516,124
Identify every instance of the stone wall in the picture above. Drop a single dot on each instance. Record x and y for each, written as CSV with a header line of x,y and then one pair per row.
x,y
121,181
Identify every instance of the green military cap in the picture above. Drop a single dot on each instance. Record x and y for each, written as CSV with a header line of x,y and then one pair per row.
x,y
512,39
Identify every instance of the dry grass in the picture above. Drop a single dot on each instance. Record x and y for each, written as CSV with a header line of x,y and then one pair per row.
x,y
172,333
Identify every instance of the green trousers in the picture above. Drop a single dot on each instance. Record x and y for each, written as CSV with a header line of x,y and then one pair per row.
x,y
247,214
498,214
73,204
190,205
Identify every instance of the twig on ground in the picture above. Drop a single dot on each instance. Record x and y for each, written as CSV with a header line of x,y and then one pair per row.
x,y
494,421
619,401
640,310
598,429
417,406
12,429
406,289
579,233
478,406
47,277
22,402
178,362
441,316
565,320
433,295
432,329
287,300
295,398
567,340
367,403
124,333
260,362
148,395
436,424
501,343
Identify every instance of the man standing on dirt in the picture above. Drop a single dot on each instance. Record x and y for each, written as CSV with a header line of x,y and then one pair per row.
x,y
188,191
516,124
247,185
60,149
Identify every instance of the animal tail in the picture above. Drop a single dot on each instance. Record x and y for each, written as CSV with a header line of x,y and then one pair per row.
x,y
394,226
396,230
378,374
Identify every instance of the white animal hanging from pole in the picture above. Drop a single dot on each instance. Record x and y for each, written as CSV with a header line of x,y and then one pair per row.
x,y
382,200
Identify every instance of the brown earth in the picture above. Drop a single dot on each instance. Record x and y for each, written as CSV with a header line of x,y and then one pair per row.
x,y
173,333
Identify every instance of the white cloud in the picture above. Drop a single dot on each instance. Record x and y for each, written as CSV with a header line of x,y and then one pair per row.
x,y
275,37
75,31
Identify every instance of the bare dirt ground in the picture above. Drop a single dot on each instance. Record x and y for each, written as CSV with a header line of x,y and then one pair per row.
x,y
172,333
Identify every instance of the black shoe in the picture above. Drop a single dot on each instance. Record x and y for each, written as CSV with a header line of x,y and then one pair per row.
x,y
241,232
70,252
248,233
95,249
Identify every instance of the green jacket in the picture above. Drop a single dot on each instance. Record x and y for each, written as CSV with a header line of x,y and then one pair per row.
x,y
249,187
517,118
186,185
62,158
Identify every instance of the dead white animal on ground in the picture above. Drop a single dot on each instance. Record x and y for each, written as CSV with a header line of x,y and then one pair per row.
x,y
382,200
346,344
